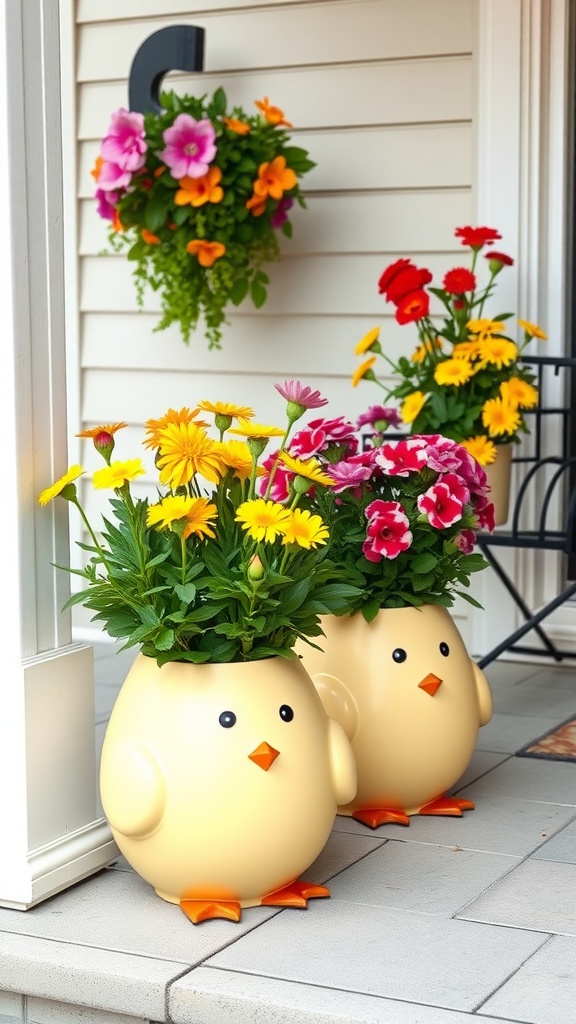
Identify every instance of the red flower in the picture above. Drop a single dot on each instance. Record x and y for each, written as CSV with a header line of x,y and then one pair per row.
x,y
388,532
459,280
389,273
476,238
500,259
414,306
410,279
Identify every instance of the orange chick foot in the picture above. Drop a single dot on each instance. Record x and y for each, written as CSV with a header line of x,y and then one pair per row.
x,y
296,894
449,805
206,910
374,816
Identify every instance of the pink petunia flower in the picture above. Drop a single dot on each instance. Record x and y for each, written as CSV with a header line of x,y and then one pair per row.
x,y
280,215
402,457
320,435
484,511
190,147
348,474
294,391
280,489
465,541
112,177
439,505
125,144
106,203
379,414
388,533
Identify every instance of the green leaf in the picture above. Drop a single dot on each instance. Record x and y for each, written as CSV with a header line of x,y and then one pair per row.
x,y
186,593
239,291
258,294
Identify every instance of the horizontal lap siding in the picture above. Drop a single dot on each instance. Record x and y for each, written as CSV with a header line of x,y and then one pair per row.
x,y
381,94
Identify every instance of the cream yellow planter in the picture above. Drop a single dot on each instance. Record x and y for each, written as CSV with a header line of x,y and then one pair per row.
x,y
499,475
221,782
411,701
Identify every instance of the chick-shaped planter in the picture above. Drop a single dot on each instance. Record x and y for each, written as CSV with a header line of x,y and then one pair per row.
x,y
411,701
221,782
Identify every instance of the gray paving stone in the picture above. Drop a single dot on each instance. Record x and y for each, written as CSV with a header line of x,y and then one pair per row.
x,y
48,1011
98,978
11,1008
229,997
530,698
543,991
537,894
482,761
385,952
499,824
421,878
341,850
529,778
560,847
507,733
119,911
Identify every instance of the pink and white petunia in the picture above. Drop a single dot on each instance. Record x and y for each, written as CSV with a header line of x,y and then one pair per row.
x,y
388,533
106,203
190,147
439,505
283,477
125,144
401,458
379,414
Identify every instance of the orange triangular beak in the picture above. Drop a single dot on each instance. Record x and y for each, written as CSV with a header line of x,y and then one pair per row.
x,y
264,756
430,683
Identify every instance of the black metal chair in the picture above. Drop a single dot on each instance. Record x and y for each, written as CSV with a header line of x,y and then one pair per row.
x,y
543,514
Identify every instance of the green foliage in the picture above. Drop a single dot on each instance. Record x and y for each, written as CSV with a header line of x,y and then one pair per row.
x,y
189,291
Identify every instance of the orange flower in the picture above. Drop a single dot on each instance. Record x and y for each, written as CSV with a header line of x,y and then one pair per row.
x,y
272,114
275,178
198,191
149,237
95,172
117,224
257,204
206,252
159,170
240,127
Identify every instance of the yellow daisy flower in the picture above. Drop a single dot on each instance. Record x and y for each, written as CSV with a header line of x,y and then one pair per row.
x,y
308,468
427,346
185,450
305,529
247,429
366,343
236,455
56,488
412,406
227,409
153,427
485,328
532,330
198,513
499,417
263,520
497,352
518,392
465,350
117,474
481,448
364,371
453,371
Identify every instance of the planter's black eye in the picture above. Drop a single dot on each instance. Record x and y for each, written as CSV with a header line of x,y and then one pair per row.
x,y
286,713
399,655
227,719
444,649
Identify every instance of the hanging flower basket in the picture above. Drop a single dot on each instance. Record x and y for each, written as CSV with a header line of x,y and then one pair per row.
x,y
196,197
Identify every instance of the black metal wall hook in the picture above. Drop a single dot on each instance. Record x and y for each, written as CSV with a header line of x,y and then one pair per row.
x,y
174,48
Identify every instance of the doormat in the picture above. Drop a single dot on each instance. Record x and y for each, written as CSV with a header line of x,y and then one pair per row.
x,y
557,745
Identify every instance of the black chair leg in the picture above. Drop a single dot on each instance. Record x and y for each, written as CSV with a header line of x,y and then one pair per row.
x,y
531,624
526,611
